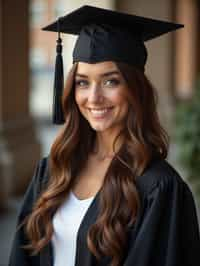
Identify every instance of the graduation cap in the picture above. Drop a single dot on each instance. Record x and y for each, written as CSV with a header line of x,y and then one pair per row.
x,y
104,35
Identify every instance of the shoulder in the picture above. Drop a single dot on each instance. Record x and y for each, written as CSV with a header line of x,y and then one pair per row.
x,y
159,173
42,167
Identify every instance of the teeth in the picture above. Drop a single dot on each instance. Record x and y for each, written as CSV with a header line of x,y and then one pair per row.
x,y
99,111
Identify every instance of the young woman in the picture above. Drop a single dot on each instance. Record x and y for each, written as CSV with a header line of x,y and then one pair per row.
x,y
106,194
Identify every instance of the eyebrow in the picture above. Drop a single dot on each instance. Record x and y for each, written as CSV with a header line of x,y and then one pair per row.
x,y
102,75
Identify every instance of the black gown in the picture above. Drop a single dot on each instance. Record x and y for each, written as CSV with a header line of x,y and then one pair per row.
x,y
166,231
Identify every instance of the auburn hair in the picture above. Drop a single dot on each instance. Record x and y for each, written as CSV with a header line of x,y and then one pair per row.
x,y
119,201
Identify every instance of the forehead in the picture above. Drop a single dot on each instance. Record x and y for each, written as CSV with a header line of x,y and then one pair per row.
x,y
97,68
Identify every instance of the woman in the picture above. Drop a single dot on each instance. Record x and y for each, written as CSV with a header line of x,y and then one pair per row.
x,y
106,195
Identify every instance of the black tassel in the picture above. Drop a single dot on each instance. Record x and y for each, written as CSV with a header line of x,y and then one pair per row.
x,y
58,116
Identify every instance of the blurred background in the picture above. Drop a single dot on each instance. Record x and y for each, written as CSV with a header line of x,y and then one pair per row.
x,y
27,57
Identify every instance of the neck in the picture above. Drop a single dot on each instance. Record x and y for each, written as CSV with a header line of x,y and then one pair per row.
x,y
104,142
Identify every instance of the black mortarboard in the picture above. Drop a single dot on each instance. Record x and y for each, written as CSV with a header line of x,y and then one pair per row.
x,y
104,35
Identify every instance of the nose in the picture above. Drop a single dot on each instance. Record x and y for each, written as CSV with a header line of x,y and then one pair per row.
x,y
95,94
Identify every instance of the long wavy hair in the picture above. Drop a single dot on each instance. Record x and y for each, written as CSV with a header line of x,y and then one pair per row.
x,y
119,201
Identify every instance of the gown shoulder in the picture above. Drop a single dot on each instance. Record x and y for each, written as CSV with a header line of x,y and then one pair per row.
x,y
166,231
159,173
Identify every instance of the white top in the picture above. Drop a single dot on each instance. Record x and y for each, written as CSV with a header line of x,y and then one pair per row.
x,y
66,222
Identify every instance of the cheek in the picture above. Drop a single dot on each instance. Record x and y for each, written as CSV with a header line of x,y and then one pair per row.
x,y
122,103
79,98
119,99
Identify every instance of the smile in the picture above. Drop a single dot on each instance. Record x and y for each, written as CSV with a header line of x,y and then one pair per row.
x,y
101,112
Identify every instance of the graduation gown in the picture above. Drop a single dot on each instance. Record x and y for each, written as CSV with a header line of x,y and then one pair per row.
x,y
166,231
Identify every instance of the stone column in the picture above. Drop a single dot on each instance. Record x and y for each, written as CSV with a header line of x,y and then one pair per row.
x,y
18,143
186,67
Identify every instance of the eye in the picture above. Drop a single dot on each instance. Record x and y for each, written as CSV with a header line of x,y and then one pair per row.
x,y
111,82
81,83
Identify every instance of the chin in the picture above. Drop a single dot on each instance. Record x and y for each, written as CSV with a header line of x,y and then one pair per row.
x,y
100,127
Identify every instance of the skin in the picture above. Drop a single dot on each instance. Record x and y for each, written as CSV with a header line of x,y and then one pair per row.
x,y
102,86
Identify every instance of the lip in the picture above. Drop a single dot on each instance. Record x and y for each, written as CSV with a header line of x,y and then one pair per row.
x,y
100,108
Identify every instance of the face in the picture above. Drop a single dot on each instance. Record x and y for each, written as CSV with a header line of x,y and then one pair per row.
x,y
100,93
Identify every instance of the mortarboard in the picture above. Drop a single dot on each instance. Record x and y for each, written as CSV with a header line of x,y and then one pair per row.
x,y
104,35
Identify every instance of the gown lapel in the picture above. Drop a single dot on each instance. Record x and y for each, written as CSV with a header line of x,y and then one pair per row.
x,y
83,255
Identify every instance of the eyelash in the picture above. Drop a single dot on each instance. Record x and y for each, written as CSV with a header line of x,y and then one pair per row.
x,y
115,82
78,82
